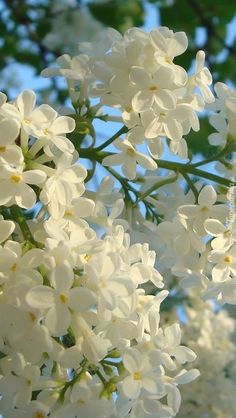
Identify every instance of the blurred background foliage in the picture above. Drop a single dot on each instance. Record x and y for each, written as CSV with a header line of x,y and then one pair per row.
x,y
33,33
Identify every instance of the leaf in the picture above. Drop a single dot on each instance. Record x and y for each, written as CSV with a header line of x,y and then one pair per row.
x,y
198,141
83,127
119,14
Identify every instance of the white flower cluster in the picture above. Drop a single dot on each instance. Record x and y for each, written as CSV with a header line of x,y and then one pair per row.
x,y
224,118
210,335
81,327
136,74
78,334
198,244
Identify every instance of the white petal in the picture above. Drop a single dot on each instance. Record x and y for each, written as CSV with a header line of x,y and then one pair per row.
x,y
33,258
132,360
6,229
26,102
184,354
165,99
188,211
34,176
84,207
214,227
178,44
207,196
216,139
115,159
40,297
142,101
129,169
25,197
154,129
63,124
58,320
173,334
62,277
81,299
146,161
9,131
173,397
154,387
187,376
140,76
173,130
131,388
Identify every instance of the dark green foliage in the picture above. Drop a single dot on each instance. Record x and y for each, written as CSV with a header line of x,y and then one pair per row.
x,y
120,14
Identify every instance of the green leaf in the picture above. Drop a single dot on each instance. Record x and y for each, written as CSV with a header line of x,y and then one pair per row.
x,y
119,14
198,141
83,127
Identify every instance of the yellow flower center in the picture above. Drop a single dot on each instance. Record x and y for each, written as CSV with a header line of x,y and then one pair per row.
x,y
16,178
102,283
64,297
68,213
39,414
153,88
32,316
13,267
26,121
228,259
130,151
2,149
137,376
128,109
46,131
87,257
168,60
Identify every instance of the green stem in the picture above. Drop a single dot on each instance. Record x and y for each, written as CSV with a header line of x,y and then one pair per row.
x,y
216,157
122,181
156,186
191,185
169,165
20,219
123,130
84,366
111,363
190,169
101,377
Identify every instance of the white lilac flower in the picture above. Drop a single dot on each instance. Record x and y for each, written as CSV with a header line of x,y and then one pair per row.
x,y
225,235
153,89
59,299
202,78
225,264
23,111
52,136
129,157
63,186
19,379
108,281
144,375
219,123
206,208
169,45
14,186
